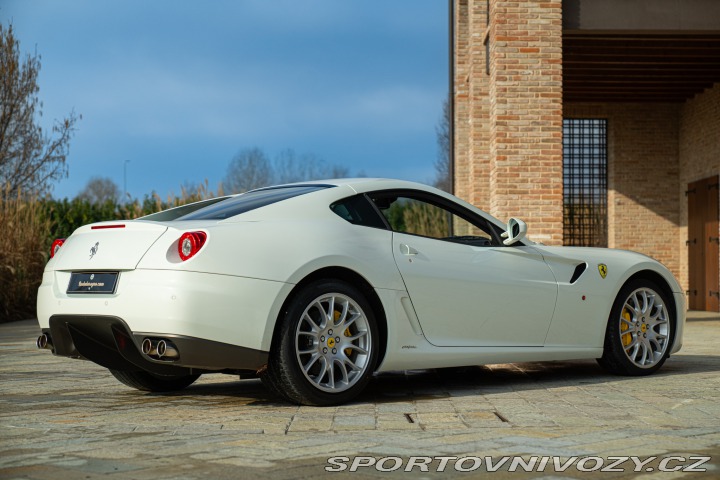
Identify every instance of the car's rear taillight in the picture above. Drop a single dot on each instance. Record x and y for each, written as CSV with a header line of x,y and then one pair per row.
x,y
190,243
55,246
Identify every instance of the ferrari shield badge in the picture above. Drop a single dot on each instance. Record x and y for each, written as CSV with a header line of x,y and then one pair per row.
x,y
602,268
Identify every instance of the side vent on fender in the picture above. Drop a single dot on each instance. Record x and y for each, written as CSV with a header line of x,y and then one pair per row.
x,y
579,270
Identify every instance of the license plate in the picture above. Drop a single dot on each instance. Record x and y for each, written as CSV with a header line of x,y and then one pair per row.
x,y
89,282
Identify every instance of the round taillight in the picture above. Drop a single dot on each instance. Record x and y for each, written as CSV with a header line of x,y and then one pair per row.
x,y
190,243
56,246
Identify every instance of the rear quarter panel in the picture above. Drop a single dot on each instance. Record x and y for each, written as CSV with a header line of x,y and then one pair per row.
x,y
282,245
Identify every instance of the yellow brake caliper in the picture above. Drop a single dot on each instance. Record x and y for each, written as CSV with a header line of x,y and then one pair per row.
x,y
347,333
624,327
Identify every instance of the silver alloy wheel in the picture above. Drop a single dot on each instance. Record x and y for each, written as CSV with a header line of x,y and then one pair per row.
x,y
332,342
644,327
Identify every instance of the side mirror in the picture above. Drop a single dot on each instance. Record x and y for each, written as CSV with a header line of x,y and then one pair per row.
x,y
516,231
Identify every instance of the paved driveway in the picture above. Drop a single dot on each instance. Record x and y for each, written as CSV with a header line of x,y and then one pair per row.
x,y
69,419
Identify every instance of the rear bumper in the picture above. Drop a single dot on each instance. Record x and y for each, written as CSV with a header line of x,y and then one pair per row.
x,y
219,308
109,342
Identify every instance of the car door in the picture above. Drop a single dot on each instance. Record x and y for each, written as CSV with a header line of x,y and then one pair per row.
x,y
467,288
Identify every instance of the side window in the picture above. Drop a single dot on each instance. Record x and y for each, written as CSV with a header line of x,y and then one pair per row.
x,y
417,216
358,211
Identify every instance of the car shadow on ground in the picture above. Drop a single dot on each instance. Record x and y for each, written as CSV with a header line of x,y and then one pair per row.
x,y
490,379
413,385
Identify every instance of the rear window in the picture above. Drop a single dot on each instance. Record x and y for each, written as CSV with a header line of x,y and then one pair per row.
x,y
177,212
250,201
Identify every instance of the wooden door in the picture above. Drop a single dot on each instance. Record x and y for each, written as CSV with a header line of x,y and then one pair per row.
x,y
703,243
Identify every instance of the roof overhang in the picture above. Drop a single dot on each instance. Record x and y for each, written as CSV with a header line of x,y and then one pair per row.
x,y
639,50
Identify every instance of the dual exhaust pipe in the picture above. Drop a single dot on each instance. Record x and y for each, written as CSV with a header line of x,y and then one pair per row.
x,y
159,349
153,348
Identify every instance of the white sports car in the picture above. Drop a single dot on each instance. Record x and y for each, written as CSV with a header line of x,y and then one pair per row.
x,y
315,286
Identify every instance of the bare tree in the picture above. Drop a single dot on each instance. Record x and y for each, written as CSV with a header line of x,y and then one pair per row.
x,y
29,158
290,167
249,169
443,131
337,171
100,190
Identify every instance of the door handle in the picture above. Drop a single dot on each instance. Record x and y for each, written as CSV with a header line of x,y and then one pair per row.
x,y
407,250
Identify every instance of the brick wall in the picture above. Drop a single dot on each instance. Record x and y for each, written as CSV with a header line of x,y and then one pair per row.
x,y
699,151
643,170
654,151
479,154
472,168
508,135
461,99
508,157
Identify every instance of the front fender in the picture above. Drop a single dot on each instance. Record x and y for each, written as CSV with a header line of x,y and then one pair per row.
x,y
584,306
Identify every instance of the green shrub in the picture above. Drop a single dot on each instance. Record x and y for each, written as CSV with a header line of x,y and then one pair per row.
x,y
30,224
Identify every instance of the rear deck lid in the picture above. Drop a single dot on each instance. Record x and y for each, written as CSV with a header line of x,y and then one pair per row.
x,y
107,246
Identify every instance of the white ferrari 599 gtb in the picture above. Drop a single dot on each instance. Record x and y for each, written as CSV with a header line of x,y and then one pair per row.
x,y
315,286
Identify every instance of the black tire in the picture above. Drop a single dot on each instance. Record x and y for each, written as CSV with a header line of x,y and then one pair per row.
x,y
615,359
148,382
285,374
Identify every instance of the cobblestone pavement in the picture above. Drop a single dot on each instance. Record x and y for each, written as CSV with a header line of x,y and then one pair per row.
x,y
69,419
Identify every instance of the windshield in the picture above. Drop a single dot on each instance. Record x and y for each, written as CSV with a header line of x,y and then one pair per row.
x,y
250,201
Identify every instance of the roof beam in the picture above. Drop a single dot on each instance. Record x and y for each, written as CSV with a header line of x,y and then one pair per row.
x,y
641,15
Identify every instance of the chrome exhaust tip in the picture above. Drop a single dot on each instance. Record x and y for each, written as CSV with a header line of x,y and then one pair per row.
x,y
43,342
166,349
149,347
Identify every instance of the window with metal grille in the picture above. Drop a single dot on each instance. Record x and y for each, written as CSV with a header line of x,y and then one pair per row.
x,y
585,182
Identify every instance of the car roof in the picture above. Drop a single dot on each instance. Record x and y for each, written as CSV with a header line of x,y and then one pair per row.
x,y
364,184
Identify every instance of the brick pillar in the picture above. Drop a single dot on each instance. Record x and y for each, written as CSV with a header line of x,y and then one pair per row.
x,y
509,128
461,99
526,115
472,105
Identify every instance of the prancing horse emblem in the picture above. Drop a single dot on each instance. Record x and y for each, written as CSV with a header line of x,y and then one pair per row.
x,y
94,250
602,268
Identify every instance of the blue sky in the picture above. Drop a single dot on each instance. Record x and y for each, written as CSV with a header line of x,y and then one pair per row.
x,y
178,88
